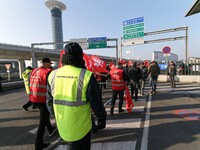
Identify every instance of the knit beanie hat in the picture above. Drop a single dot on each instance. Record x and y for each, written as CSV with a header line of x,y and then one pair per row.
x,y
73,55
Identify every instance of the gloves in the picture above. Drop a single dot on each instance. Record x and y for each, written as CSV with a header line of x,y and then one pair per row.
x,y
101,124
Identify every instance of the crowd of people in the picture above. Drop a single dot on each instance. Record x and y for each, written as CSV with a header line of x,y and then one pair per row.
x,y
72,94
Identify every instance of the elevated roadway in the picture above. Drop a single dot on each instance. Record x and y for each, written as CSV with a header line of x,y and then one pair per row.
x,y
10,51
21,53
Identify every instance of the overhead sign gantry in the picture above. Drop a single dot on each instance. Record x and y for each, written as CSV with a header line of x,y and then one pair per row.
x,y
92,43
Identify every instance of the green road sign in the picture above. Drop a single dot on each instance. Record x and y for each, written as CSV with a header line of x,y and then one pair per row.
x,y
99,42
133,26
133,31
133,35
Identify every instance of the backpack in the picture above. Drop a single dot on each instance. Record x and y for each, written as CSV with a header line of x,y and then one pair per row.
x,y
144,72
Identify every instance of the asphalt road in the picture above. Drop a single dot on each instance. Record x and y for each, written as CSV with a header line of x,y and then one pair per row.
x,y
167,120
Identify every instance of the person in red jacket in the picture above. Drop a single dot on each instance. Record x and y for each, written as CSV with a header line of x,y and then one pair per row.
x,y
118,77
38,83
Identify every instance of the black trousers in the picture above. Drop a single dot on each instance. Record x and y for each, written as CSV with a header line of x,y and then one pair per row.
x,y
172,80
114,97
134,90
28,104
82,144
44,122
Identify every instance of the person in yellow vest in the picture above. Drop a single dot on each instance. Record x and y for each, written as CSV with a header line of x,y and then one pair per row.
x,y
25,76
72,91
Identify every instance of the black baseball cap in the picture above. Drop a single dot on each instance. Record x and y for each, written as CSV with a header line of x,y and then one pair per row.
x,y
46,60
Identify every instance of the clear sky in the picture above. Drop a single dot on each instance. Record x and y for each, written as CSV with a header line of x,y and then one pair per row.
x,y
23,22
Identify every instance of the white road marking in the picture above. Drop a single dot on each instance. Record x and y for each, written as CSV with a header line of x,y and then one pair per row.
x,y
34,131
144,143
54,142
123,124
127,145
135,109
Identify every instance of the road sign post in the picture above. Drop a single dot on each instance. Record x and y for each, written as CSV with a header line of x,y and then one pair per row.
x,y
166,52
8,70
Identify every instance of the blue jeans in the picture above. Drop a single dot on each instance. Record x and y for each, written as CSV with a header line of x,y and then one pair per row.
x,y
154,83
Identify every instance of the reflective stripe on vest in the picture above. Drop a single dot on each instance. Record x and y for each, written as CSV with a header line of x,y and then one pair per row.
x,y
117,84
38,93
72,110
38,86
118,80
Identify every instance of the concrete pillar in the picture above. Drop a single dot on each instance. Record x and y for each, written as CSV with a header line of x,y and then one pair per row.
x,y
34,63
21,67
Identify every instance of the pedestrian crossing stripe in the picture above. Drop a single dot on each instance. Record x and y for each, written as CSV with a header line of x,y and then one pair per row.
x,y
34,131
115,124
135,109
123,124
121,145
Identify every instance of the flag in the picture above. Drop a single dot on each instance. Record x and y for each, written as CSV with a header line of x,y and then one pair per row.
x,y
98,64
111,66
94,63
88,62
146,63
128,99
61,54
123,62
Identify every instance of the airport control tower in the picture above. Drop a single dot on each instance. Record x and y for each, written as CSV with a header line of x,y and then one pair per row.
x,y
56,8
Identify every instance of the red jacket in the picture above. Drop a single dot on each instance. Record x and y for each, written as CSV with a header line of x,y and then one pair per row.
x,y
117,79
38,84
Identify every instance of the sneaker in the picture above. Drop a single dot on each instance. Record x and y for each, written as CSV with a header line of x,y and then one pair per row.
x,y
52,131
42,146
25,108
121,110
111,110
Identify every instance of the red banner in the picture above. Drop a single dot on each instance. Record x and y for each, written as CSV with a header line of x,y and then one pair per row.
x,y
128,99
99,65
94,63
111,66
61,53
146,63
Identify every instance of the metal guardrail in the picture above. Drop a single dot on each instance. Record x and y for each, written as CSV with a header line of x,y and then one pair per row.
x,y
12,85
192,68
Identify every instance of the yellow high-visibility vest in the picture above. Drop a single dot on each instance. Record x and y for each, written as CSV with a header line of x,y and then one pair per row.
x,y
25,76
72,110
